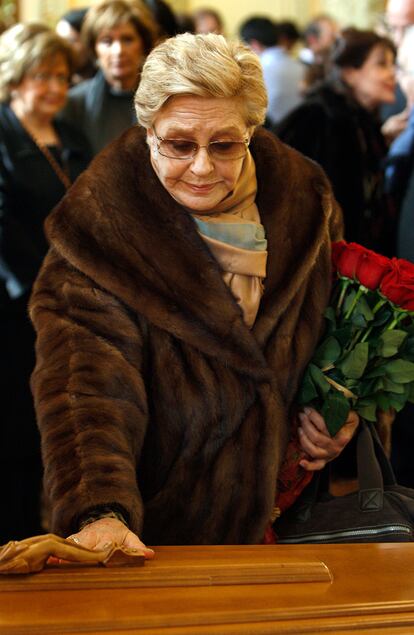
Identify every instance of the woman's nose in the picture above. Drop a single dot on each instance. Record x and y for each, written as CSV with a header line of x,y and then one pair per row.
x,y
202,163
116,46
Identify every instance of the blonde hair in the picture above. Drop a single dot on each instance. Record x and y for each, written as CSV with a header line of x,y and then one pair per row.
x,y
24,46
204,65
111,13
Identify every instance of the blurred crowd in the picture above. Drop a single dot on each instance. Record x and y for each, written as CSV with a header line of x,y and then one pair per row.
x,y
340,95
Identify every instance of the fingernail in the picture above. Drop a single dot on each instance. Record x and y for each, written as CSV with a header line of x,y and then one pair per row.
x,y
74,539
307,410
300,431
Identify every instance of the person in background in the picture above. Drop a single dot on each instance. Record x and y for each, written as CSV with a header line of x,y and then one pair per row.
x,y
39,159
399,17
69,28
319,36
207,21
176,317
120,33
338,126
287,35
282,74
185,23
164,17
400,21
400,157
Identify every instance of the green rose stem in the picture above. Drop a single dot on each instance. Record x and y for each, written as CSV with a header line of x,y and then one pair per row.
x,y
397,318
359,293
345,282
375,310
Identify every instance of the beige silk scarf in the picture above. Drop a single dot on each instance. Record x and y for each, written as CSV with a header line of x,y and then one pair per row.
x,y
243,269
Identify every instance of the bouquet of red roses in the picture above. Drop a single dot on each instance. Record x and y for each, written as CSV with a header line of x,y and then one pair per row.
x,y
365,360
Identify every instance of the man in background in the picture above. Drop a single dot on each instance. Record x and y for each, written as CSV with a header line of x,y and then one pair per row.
x,y
282,74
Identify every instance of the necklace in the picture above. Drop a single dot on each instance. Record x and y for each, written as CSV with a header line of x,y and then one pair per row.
x,y
61,173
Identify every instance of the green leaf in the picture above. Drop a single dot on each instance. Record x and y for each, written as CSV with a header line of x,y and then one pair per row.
x,y
409,348
307,392
327,353
379,371
359,320
319,379
387,400
384,401
363,308
367,409
368,387
355,362
335,410
330,315
382,317
343,335
390,342
400,371
392,386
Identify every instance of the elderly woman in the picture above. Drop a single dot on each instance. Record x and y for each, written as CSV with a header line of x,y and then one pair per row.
x,y
180,302
119,34
39,158
338,126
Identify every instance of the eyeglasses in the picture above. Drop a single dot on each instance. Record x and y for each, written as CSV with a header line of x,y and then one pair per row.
x,y
184,150
45,78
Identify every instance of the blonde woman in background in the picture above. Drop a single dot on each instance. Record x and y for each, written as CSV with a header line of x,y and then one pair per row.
x,y
39,158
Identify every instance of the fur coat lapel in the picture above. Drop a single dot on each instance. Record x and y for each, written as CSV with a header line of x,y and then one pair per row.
x,y
165,271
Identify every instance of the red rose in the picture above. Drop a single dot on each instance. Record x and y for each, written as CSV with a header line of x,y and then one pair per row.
x,y
372,268
337,249
361,264
398,284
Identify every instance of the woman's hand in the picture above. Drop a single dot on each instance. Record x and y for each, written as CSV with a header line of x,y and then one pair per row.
x,y
316,441
105,532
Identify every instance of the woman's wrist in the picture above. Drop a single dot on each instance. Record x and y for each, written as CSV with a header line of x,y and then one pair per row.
x,y
102,511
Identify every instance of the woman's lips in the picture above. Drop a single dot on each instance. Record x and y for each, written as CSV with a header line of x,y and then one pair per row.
x,y
201,188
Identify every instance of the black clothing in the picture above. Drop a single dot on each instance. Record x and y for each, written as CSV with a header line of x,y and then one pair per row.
x,y
29,189
101,112
331,128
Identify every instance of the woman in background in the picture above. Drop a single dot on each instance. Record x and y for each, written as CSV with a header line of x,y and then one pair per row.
x,y
119,34
39,159
337,125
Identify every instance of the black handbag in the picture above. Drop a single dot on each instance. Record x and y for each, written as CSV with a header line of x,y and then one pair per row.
x,y
381,511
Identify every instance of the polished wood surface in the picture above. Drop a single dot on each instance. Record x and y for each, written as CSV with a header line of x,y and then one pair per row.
x,y
230,590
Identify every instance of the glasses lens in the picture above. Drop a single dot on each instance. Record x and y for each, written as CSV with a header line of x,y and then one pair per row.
x,y
227,149
177,148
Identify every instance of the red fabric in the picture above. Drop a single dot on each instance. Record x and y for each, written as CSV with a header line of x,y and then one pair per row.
x,y
291,482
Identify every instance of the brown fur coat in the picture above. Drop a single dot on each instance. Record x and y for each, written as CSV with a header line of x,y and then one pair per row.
x,y
151,392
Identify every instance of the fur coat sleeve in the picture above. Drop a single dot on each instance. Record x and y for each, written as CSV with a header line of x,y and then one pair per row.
x,y
151,393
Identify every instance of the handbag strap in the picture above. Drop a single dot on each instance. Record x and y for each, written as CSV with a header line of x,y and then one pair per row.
x,y
369,470
385,464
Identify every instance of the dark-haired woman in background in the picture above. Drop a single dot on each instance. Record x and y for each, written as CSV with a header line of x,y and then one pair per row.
x,y
337,126
120,34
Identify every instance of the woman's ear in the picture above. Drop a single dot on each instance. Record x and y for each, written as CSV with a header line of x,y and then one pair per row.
x,y
152,142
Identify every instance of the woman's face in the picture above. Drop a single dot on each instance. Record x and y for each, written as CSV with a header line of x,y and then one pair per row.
x,y
373,83
120,51
43,90
199,183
